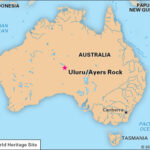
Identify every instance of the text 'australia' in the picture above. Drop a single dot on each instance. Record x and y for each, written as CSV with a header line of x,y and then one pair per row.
x,y
94,54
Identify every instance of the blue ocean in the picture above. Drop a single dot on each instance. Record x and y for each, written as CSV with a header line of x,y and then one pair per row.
x,y
57,120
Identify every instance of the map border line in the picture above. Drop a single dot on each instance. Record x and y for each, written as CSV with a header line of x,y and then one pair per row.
x,y
74,1
76,149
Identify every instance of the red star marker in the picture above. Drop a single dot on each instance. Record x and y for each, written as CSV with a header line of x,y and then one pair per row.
x,y
64,67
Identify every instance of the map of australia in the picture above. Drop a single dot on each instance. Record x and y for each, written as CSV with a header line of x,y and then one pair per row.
x,y
100,71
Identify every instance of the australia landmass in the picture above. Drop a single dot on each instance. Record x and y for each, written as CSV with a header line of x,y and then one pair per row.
x,y
100,71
